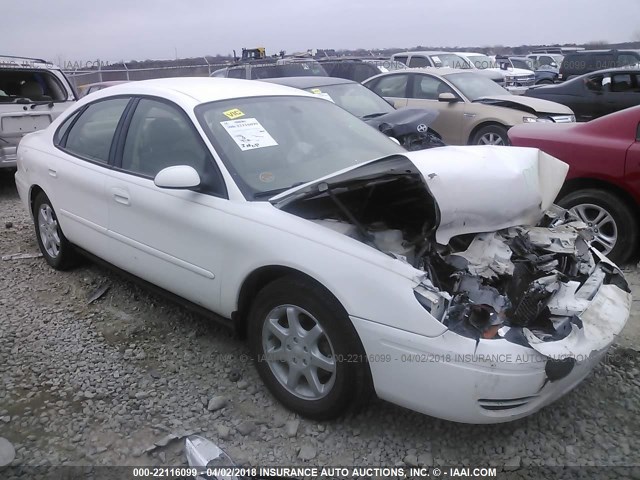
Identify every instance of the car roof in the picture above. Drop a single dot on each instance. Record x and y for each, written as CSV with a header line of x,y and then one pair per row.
x,y
470,54
200,89
308,82
425,52
610,50
441,71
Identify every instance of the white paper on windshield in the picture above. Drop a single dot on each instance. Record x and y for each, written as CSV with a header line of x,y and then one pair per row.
x,y
248,133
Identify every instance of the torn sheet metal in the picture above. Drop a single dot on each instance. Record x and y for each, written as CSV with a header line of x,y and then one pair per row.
x,y
488,256
484,189
601,322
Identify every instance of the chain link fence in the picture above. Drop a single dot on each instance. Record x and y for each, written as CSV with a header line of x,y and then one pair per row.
x,y
122,72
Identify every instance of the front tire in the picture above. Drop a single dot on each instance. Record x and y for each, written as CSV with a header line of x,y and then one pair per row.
x,y
491,135
614,224
55,248
306,350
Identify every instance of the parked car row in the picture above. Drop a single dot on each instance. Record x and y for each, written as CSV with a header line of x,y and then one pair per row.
x,y
344,258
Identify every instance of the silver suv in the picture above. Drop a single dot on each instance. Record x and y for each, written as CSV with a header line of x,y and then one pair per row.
x,y
33,93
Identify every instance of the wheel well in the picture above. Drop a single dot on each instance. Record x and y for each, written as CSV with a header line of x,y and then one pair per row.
x,y
35,191
576,184
255,282
477,128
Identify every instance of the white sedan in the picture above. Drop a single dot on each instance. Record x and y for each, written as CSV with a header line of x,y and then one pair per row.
x,y
445,281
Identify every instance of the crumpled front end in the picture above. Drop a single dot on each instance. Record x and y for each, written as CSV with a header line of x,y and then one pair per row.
x,y
541,287
529,306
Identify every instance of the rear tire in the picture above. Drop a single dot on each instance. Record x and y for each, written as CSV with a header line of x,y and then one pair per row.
x,y
491,135
55,248
615,223
306,349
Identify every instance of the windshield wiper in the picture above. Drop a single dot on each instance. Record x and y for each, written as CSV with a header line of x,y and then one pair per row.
x,y
373,115
276,191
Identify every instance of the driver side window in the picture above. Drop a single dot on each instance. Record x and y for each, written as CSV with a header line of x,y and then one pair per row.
x,y
594,83
160,136
429,88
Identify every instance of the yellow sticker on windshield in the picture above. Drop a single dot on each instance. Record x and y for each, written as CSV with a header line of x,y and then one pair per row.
x,y
233,114
317,91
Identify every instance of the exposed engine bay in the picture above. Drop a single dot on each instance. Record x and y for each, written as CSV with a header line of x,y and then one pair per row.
x,y
526,284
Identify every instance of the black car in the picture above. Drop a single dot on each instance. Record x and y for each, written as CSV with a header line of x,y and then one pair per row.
x,y
350,68
587,61
410,126
595,94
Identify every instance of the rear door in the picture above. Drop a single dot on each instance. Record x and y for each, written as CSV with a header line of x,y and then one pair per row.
x,y
392,87
77,170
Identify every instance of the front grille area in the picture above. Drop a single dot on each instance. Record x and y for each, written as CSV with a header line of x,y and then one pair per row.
x,y
504,404
526,81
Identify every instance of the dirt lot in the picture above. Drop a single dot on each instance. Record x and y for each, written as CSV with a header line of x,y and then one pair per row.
x,y
98,383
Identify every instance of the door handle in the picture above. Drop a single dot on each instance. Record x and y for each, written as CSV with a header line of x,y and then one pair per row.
x,y
53,173
120,195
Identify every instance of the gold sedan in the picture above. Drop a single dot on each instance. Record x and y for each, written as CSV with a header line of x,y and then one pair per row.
x,y
473,109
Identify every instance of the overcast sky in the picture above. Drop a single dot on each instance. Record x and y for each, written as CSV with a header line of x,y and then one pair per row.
x,y
116,30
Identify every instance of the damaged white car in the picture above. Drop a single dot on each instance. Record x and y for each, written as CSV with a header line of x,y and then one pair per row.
x,y
445,281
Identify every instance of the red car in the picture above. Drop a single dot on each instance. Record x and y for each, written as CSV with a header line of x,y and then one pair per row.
x,y
603,184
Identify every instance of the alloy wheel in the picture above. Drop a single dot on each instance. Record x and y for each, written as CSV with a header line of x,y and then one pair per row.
x,y
299,352
602,224
48,228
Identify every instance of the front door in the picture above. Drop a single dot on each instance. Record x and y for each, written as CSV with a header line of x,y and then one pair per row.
x,y
162,235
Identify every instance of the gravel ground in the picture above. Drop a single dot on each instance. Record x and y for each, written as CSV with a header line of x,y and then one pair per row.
x,y
98,383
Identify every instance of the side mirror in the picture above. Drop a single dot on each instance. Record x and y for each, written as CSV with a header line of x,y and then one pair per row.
x,y
447,97
177,177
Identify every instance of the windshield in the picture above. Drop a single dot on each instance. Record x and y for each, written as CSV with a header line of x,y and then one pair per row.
x,y
449,60
474,86
354,98
292,69
270,144
482,61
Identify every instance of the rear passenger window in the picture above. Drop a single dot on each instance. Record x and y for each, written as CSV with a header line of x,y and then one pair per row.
x,y
622,82
92,134
62,130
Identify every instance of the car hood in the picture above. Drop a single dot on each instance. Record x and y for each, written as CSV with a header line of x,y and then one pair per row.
x,y
404,121
475,188
526,104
